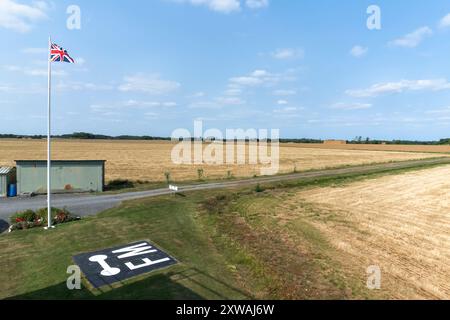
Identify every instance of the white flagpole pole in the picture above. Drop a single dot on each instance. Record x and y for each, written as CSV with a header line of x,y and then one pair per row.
x,y
49,185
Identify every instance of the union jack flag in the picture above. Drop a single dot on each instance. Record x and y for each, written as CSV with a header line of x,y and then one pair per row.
x,y
58,54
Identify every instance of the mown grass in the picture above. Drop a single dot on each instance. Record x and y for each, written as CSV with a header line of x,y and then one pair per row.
x,y
34,262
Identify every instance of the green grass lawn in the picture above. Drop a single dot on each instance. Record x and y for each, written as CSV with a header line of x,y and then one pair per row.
x,y
228,242
34,262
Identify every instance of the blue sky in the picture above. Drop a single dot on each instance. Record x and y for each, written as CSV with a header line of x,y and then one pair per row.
x,y
309,68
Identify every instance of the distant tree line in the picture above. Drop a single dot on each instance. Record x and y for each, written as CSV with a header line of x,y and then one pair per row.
x,y
361,140
83,136
91,136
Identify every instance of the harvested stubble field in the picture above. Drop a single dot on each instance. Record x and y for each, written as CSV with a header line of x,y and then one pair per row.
x,y
380,147
149,160
400,223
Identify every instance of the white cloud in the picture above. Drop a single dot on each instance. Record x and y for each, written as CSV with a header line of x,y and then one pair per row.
x,y
117,109
148,84
445,110
359,51
81,86
223,6
34,71
282,92
259,78
227,6
399,87
234,101
5,88
287,112
351,106
199,94
144,104
23,88
445,21
169,104
413,39
260,73
35,50
246,81
20,17
257,4
152,115
80,61
12,68
100,108
218,103
255,78
204,105
135,103
233,92
44,72
286,54
282,102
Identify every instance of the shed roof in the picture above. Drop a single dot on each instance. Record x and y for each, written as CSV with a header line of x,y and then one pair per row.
x,y
5,170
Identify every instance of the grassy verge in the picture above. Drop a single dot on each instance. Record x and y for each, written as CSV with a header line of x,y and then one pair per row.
x,y
346,178
34,263
146,186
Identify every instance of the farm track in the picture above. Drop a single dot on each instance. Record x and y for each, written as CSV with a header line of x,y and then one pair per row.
x,y
84,205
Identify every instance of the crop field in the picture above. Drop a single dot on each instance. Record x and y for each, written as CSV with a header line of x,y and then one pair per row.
x,y
400,223
150,160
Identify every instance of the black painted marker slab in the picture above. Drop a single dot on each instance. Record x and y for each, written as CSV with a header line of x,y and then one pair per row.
x,y
108,266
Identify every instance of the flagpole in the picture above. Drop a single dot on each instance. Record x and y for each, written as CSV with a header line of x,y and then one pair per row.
x,y
49,185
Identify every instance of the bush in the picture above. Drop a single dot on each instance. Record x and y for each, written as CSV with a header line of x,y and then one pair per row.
x,y
23,216
119,184
29,219
167,175
200,173
259,189
63,216
42,214
217,204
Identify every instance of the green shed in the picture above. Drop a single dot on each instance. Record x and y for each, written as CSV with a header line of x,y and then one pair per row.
x,y
66,175
7,177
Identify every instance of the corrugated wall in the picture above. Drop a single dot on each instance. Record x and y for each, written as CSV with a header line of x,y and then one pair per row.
x,y
3,186
68,176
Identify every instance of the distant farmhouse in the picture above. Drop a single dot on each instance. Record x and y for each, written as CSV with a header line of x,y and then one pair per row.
x,y
335,142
